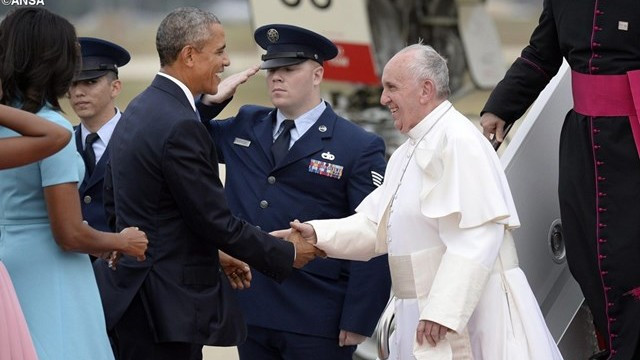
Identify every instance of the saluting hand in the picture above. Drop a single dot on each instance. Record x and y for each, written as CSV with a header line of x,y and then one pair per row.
x,y
228,86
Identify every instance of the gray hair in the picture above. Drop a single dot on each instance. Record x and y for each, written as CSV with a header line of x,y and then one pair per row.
x,y
429,65
183,26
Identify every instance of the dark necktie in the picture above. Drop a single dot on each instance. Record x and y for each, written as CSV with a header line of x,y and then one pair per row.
x,y
280,147
89,154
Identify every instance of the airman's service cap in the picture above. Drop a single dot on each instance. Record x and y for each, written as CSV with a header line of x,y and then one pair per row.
x,y
289,45
99,57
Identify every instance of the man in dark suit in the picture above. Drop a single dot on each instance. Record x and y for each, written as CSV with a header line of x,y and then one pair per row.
x,y
92,95
164,177
319,166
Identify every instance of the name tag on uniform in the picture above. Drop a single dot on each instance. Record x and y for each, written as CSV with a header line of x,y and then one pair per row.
x,y
326,169
242,142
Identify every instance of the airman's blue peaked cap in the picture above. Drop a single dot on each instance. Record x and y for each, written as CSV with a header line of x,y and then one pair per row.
x,y
289,45
99,57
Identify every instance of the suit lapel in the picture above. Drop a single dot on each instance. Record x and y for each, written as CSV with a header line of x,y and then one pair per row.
x,y
98,172
263,132
313,140
78,136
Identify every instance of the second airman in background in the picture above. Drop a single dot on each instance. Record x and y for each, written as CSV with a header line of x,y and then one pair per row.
x,y
92,96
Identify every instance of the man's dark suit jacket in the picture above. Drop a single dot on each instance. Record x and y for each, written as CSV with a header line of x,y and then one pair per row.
x,y
164,173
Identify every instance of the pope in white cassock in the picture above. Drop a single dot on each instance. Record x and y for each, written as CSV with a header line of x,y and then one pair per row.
x,y
443,215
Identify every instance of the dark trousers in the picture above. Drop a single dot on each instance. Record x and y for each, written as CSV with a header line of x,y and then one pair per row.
x,y
269,344
133,339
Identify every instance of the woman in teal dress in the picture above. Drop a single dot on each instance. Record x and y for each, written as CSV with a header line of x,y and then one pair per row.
x,y
42,236
39,139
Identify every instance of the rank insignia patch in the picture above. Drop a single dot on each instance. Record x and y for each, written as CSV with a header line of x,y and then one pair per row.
x,y
377,178
325,169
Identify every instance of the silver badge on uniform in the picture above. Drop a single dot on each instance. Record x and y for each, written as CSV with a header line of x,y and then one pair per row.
x,y
328,156
273,36
322,128
377,178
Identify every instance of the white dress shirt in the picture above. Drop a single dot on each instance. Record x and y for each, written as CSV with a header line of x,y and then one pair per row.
x,y
104,135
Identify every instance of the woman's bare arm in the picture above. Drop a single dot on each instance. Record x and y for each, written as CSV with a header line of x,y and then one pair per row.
x,y
72,234
41,138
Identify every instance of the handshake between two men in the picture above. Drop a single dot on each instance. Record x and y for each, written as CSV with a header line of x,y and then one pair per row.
x,y
302,236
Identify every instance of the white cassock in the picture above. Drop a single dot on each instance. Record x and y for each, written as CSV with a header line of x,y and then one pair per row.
x,y
444,215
